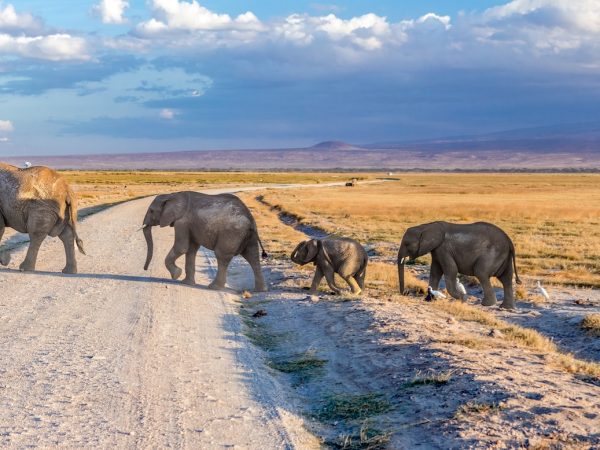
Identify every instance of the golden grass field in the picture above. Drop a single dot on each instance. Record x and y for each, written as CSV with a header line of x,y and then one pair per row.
x,y
94,187
553,219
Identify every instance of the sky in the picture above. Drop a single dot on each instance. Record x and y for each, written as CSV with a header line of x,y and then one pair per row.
x,y
106,76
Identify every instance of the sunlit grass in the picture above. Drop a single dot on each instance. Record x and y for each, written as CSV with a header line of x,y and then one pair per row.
x,y
553,219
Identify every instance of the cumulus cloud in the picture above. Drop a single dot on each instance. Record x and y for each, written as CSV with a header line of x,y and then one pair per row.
x,y
180,16
11,21
4,140
6,126
167,113
53,47
112,11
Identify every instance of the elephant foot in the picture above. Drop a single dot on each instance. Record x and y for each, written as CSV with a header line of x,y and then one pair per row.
x,y
261,288
488,302
70,270
175,273
216,286
189,281
26,267
509,306
4,258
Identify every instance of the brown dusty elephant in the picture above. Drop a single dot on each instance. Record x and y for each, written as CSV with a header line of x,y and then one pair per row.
x,y
38,201
480,249
221,223
343,256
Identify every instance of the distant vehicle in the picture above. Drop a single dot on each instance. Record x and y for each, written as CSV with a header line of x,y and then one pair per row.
x,y
27,164
351,183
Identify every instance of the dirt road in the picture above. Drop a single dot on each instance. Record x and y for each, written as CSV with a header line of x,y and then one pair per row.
x,y
119,357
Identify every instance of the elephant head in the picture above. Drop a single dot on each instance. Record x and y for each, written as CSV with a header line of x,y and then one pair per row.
x,y
418,241
305,252
164,210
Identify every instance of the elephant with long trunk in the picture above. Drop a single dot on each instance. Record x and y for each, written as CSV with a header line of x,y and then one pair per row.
x,y
38,201
480,249
222,223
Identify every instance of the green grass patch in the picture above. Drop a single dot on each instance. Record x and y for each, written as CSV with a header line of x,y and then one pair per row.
x,y
349,407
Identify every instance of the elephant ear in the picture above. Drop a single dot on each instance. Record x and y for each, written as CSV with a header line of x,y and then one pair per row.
x,y
312,248
431,238
173,209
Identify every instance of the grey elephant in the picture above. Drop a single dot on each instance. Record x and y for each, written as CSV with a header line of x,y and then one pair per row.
x,y
343,256
480,249
38,201
222,223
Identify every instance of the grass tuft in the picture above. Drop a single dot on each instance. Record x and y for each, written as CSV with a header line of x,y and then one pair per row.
x,y
349,407
591,324
303,366
430,378
365,438
472,408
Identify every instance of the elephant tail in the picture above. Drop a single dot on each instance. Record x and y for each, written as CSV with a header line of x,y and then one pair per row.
x,y
514,262
264,253
71,216
362,273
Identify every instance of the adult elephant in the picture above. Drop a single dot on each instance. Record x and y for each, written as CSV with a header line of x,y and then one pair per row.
x,y
222,223
480,249
38,201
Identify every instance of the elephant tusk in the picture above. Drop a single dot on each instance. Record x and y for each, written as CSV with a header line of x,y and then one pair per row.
x,y
142,227
404,259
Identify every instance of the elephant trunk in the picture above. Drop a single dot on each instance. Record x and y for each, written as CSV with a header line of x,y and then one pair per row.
x,y
150,245
401,260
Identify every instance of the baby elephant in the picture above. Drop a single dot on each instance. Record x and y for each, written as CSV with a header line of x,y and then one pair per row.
x,y
343,256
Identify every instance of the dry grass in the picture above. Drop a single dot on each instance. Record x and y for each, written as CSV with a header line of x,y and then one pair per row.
x,y
521,337
385,276
591,324
552,218
99,187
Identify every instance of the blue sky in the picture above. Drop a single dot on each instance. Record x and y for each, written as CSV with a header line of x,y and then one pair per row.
x,y
159,75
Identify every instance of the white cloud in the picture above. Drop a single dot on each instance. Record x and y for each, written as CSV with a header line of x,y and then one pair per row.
x,y
112,11
176,16
11,20
6,125
167,114
53,47
4,140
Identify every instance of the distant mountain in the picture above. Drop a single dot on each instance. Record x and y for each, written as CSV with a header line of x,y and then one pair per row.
x,y
335,145
579,137
560,147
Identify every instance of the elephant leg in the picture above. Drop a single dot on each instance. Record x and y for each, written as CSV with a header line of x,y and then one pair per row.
x,y
252,256
68,239
435,274
509,298
190,264
353,285
4,255
451,286
330,277
489,295
35,241
179,248
220,280
314,287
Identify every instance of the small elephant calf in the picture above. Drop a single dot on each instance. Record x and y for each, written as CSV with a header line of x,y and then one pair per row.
x,y
343,256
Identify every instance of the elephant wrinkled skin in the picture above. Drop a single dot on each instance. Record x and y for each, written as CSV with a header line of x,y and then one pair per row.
x,y
343,256
221,223
479,249
38,201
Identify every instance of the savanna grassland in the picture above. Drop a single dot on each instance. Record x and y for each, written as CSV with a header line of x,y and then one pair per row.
x,y
553,219
105,187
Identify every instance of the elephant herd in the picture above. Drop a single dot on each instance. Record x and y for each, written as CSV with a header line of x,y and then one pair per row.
x,y
38,201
